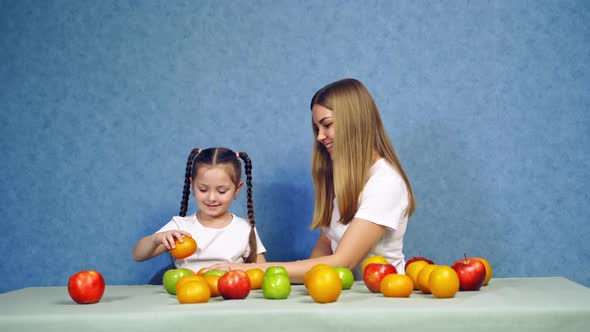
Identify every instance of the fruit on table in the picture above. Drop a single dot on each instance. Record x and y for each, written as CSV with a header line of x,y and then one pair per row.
x,y
214,273
213,281
172,276
416,259
374,273
183,249
276,285
189,278
193,292
255,276
423,276
489,271
324,284
346,276
412,271
471,272
374,259
86,287
234,285
443,282
313,268
396,285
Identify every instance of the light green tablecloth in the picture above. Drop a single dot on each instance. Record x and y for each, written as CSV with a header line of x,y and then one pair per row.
x,y
510,304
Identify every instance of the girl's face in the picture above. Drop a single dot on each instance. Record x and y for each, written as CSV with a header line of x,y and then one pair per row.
x,y
323,119
214,190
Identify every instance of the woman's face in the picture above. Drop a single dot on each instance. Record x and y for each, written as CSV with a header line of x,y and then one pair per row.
x,y
323,119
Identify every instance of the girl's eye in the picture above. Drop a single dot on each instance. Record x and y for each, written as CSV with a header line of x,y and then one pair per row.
x,y
222,192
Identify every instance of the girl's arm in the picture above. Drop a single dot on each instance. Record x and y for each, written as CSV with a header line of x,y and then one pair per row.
x,y
156,244
357,241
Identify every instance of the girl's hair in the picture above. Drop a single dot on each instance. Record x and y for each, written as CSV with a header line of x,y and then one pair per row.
x,y
229,159
359,133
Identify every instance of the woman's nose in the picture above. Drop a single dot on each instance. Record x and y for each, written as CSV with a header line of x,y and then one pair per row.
x,y
320,136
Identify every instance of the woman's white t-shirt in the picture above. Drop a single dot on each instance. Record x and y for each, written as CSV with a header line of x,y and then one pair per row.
x,y
214,245
383,201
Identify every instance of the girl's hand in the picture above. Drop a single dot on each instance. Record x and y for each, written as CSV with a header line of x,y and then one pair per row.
x,y
168,238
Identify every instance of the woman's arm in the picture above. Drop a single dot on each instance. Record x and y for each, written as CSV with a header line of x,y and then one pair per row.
x,y
260,258
322,248
357,241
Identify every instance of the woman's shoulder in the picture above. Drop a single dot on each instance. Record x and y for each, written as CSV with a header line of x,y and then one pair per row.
x,y
383,170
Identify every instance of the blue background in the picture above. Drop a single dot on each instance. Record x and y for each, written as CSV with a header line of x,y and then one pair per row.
x,y
486,102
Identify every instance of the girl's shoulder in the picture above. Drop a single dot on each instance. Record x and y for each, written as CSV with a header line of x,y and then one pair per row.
x,y
239,221
190,219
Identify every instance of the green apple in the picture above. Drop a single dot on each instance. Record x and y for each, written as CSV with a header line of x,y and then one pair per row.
x,y
172,276
274,270
214,273
276,286
346,276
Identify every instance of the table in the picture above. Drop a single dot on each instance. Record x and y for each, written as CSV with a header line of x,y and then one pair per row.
x,y
506,304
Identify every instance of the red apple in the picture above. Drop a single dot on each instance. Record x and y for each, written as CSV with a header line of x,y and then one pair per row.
x,y
415,259
471,272
86,287
234,285
374,273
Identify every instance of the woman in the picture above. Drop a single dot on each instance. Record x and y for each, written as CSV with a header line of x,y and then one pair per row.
x,y
363,197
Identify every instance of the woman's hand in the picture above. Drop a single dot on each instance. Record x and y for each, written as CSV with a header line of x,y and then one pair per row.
x,y
168,238
234,266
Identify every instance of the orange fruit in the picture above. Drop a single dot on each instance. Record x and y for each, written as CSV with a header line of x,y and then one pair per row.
x,y
315,267
324,285
201,271
412,271
374,259
193,292
255,276
488,270
212,281
396,285
183,249
189,278
443,282
423,276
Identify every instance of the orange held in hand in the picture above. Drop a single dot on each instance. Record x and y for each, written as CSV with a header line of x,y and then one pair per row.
x,y
183,249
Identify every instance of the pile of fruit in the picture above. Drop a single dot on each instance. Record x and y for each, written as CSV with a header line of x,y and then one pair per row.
x,y
323,282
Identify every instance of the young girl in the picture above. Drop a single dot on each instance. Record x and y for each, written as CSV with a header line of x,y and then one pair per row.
x,y
363,197
215,176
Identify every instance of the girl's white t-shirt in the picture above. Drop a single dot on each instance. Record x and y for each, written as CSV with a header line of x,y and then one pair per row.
x,y
383,201
214,245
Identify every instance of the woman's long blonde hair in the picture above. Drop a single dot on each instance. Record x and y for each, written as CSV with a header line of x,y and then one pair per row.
x,y
360,138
